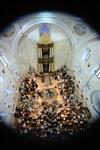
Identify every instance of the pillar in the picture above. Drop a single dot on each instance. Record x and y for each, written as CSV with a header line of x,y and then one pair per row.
x,y
52,64
38,65
50,67
42,68
40,53
40,56
50,52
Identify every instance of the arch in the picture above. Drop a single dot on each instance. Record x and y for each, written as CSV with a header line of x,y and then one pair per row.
x,y
28,27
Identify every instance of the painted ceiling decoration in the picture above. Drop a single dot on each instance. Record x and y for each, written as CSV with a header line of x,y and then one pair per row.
x,y
9,31
79,29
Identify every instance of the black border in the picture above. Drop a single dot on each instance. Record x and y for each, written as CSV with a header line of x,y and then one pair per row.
x,y
9,11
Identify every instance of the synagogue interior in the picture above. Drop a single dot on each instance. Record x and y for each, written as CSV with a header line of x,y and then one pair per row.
x,y
50,76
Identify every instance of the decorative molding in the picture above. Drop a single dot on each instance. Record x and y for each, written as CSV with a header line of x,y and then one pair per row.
x,y
9,31
79,29
49,20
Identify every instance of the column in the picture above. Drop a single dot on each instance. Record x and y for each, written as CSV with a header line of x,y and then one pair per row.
x,y
41,68
40,53
50,53
53,62
40,56
50,67
37,66
41,64
37,60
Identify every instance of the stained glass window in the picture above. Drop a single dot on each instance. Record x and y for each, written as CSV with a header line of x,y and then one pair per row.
x,y
44,28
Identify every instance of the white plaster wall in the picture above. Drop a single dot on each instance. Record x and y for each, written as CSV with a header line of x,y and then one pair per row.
x,y
56,33
8,40
26,54
8,85
63,53
34,35
83,72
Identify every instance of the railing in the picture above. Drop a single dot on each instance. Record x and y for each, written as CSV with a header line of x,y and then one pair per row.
x,y
46,60
45,46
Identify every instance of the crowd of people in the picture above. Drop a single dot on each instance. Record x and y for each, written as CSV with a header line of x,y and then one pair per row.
x,y
55,120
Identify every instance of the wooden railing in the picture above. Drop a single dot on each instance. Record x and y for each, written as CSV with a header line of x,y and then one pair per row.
x,y
47,46
46,60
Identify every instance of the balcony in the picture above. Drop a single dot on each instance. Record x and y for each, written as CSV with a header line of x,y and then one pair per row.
x,y
45,46
46,60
